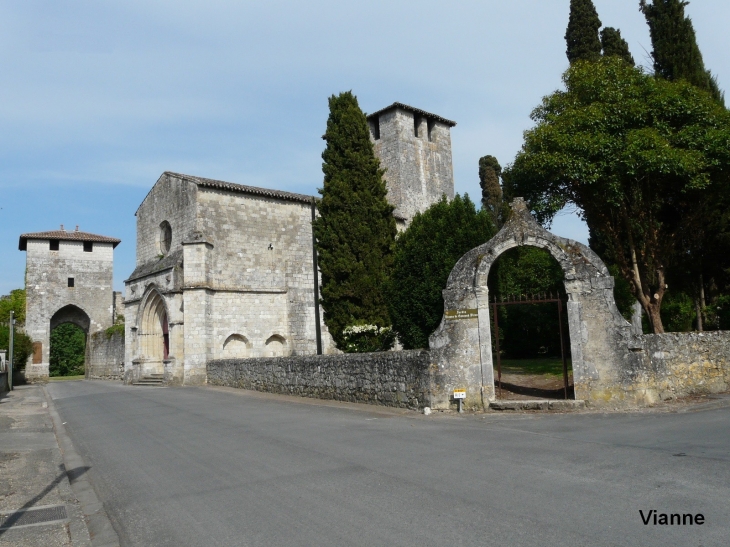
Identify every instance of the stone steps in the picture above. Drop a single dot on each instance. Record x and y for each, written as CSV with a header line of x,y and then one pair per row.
x,y
538,404
151,380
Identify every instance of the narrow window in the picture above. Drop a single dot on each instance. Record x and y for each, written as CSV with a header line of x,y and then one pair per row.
x,y
165,237
53,245
431,125
375,128
416,121
70,281
88,246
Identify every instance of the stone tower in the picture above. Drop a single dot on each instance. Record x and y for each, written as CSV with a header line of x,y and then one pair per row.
x,y
68,280
415,149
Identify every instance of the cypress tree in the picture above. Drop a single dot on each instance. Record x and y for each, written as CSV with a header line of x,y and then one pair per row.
x,y
614,44
355,230
489,173
582,33
675,51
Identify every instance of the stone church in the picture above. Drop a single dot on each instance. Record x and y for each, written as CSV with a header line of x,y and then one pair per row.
x,y
225,270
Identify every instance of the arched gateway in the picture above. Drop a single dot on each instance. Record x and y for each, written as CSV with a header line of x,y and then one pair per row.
x,y
600,338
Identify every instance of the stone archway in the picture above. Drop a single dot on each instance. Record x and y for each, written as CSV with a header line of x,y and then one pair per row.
x,y
67,314
462,345
71,314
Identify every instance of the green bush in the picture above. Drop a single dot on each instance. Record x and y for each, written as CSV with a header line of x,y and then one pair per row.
x,y
367,338
68,346
115,329
22,345
678,312
425,254
721,312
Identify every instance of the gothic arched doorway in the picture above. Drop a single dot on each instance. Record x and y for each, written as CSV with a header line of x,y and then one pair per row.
x,y
154,334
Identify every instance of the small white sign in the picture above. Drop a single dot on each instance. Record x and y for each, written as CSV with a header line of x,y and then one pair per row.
x,y
459,394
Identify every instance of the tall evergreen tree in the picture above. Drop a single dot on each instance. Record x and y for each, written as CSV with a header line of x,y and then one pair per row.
x,y
489,173
614,44
675,51
355,230
582,33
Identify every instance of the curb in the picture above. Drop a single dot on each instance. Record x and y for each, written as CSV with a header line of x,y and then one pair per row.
x,y
100,527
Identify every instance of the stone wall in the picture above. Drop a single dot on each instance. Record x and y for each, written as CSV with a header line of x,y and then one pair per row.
x,y
105,356
399,379
686,363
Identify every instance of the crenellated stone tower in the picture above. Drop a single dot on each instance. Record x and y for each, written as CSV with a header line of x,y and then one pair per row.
x,y
414,147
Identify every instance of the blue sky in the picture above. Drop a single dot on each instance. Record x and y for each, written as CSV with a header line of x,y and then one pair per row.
x,y
97,99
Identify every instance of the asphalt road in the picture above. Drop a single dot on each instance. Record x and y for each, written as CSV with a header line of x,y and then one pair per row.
x,y
200,466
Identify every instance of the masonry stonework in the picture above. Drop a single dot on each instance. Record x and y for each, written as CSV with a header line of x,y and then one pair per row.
x,y
414,148
105,356
68,279
399,379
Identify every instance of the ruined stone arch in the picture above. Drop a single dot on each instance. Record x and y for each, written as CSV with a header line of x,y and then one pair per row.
x,y
153,324
599,335
236,346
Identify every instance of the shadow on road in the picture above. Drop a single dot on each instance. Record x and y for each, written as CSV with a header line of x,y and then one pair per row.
x,y
72,474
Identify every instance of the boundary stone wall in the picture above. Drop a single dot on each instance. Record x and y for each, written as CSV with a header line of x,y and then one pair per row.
x,y
398,379
684,363
105,356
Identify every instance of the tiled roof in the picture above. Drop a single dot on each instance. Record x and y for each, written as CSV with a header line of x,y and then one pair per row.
x,y
66,235
210,183
414,110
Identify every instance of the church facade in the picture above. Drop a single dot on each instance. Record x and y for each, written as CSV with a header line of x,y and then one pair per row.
x,y
225,270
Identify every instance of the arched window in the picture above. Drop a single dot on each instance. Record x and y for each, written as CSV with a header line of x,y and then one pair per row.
x,y
165,237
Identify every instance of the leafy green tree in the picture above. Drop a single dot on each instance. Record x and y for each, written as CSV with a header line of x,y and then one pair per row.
x,y
22,345
355,230
613,44
636,154
675,51
425,255
582,32
489,174
14,301
68,345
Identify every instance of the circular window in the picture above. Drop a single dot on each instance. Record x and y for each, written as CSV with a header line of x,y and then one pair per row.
x,y
165,237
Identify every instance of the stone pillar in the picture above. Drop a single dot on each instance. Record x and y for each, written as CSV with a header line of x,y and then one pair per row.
x,y
197,305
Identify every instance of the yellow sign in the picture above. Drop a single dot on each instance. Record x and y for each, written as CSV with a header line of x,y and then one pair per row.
x,y
462,314
459,394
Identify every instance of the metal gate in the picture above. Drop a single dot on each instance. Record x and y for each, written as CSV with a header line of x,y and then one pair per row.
x,y
532,299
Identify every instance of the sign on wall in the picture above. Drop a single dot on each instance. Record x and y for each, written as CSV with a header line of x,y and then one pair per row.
x,y
462,314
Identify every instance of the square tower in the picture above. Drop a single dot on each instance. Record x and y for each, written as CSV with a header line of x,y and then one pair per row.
x,y
68,280
414,147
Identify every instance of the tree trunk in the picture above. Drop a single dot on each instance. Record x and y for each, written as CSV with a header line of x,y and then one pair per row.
x,y
655,320
698,312
703,304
